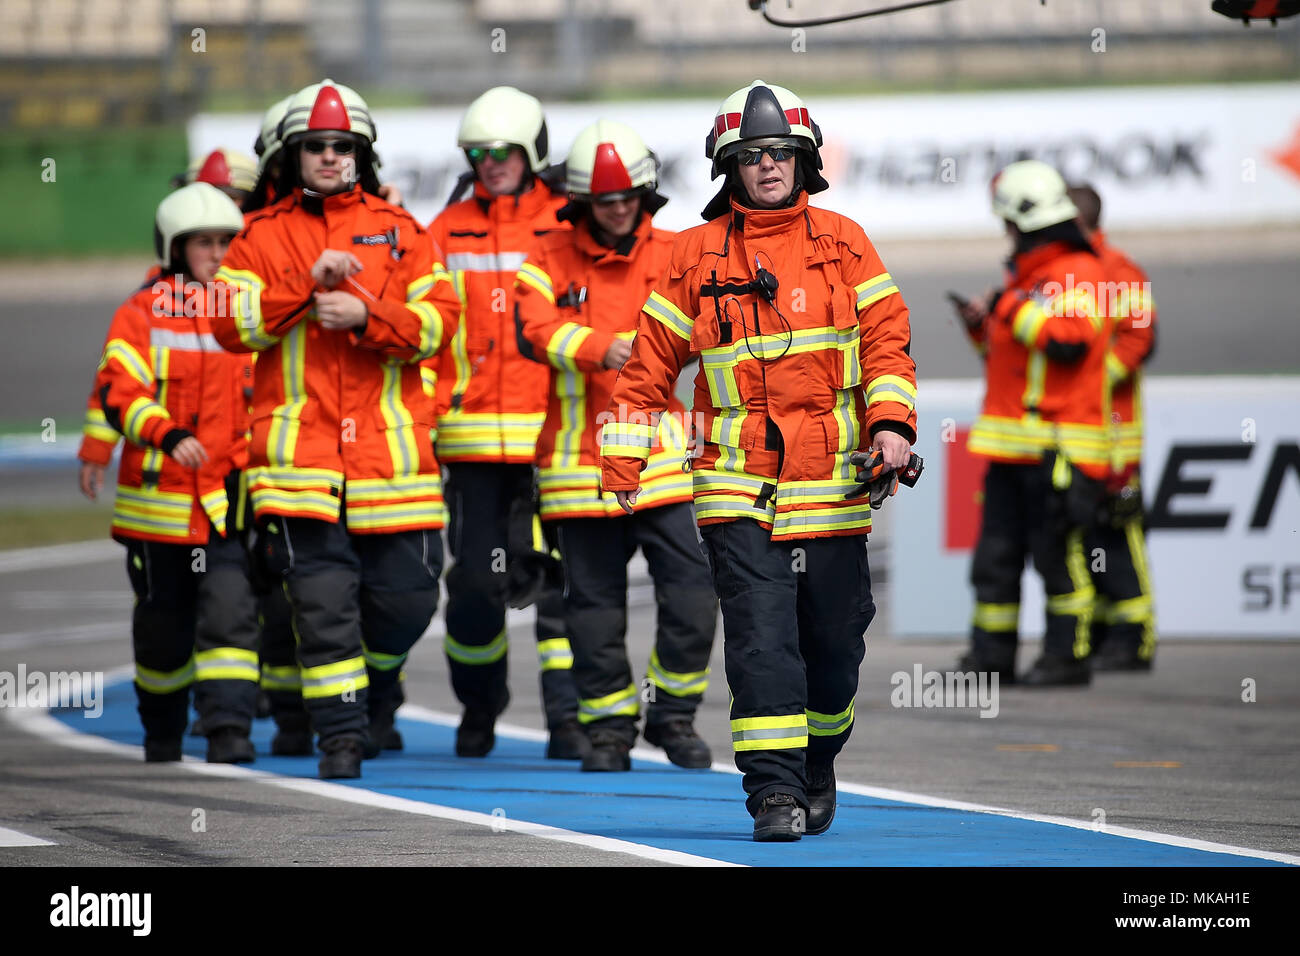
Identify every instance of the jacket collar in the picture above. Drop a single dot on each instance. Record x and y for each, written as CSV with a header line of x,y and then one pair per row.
x,y
765,222
525,205
1025,263
318,204
622,250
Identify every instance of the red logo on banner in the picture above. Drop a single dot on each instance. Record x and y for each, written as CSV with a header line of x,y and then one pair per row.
x,y
964,494
1288,157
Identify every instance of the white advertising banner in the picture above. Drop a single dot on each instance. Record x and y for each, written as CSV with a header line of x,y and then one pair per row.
x,y
1221,476
920,165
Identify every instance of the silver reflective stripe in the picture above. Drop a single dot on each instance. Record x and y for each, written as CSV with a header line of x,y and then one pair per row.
x,y
830,725
768,733
183,341
486,261
871,290
213,663
612,709
878,393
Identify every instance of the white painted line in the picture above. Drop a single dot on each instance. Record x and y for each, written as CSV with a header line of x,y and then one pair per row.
x,y
60,555
902,796
14,838
75,634
40,723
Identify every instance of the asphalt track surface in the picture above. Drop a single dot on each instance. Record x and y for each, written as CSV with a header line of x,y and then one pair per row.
x,y
1134,771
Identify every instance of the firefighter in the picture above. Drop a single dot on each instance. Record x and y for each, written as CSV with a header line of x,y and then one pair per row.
x,y
1123,627
803,340
343,295
576,301
231,171
491,402
166,387
1043,428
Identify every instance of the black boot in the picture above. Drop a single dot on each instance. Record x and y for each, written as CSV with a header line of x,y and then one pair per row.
x,y
1118,656
162,749
567,742
610,751
230,745
1000,661
1055,671
821,796
342,757
292,735
679,740
780,819
476,735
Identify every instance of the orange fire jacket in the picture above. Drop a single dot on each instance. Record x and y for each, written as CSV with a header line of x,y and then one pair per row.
x,y
162,376
340,418
1044,346
573,299
491,400
1132,343
787,389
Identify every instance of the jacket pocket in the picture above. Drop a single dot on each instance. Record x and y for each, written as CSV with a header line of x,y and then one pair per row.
x,y
846,362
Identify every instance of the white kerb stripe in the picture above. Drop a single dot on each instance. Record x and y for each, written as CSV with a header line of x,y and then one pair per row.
x,y
14,838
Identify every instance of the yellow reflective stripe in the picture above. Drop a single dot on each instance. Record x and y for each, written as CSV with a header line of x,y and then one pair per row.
x,y
555,654
677,683
1138,554
1116,371
431,329
282,436
473,654
323,479
850,515
459,357
130,359
571,390
226,663
563,346
97,427
1131,611
281,677
153,512
331,680
828,725
306,504
657,307
394,516
1076,301
891,388
770,733
621,703
217,506
628,439
1028,322
165,682
726,426
428,380
536,278
1083,587
996,618
247,307
399,434
875,289
140,411
381,661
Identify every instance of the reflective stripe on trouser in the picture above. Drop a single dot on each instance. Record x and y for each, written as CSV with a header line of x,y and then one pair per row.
x,y
595,552
278,652
555,659
1023,517
191,599
322,578
793,646
479,497
1125,612
226,635
399,595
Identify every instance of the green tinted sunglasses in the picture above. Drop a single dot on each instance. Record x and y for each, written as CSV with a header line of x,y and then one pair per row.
x,y
498,153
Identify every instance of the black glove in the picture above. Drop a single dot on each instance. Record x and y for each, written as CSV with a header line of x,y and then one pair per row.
x,y
881,482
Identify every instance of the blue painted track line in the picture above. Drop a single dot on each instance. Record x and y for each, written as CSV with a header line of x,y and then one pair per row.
x,y
700,812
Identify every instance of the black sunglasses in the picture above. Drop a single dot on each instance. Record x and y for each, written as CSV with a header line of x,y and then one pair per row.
x,y
498,153
752,155
317,146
